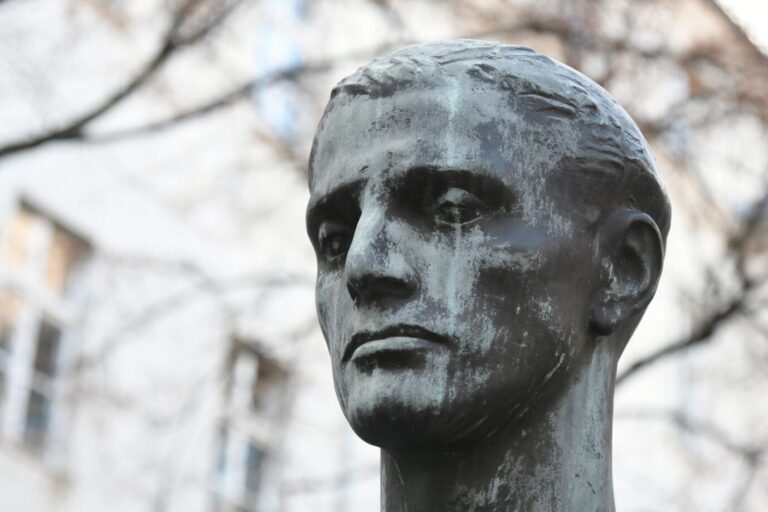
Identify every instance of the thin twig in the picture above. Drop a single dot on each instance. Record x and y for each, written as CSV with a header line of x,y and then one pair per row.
x,y
703,333
227,98
171,41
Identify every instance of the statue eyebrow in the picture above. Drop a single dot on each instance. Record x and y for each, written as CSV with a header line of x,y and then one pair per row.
x,y
428,180
328,205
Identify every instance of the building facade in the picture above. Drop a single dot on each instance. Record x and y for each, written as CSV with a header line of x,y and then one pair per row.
x,y
158,343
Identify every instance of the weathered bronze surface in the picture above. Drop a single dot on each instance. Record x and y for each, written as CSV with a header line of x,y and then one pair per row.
x,y
489,227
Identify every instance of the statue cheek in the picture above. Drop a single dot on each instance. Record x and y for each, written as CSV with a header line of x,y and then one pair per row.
x,y
333,304
505,273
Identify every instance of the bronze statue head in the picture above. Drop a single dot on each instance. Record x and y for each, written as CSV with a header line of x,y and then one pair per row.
x,y
483,218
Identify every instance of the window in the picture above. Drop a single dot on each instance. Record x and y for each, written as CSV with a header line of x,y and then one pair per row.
x,y
41,390
41,270
254,407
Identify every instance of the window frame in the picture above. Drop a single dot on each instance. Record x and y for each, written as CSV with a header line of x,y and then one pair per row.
x,y
38,306
243,428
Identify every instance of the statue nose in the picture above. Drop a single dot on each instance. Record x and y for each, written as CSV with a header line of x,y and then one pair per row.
x,y
376,268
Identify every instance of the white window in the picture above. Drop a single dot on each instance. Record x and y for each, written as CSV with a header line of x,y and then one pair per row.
x,y
41,269
254,409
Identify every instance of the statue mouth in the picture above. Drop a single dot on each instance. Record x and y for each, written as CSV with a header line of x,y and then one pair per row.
x,y
396,338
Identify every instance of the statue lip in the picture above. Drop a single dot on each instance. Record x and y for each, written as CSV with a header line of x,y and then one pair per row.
x,y
395,331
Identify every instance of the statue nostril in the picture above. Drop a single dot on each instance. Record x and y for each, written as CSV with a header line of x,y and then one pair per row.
x,y
395,287
379,289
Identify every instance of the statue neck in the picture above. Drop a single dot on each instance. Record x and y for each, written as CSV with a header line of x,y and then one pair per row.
x,y
557,460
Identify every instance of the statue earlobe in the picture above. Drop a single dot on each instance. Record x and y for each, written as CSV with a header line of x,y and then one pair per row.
x,y
631,249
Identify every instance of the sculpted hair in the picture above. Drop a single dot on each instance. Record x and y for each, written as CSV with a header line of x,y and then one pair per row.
x,y
612,148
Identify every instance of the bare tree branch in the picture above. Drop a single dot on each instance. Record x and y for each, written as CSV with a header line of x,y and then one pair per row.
x,y
202,285
223,100
752,453
700,335
173,40
705,330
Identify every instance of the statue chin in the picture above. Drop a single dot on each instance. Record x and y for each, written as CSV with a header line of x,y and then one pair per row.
x,y
396,422
393,415
393,432
392,428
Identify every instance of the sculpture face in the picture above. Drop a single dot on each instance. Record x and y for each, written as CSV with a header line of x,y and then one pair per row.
x,y
455,261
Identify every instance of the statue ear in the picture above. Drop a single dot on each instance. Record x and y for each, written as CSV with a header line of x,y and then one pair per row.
x,y
632,252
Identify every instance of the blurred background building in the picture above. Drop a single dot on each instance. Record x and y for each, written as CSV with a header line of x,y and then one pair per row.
x,y
158,344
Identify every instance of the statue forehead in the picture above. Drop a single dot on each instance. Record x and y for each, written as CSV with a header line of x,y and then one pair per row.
x,y
456,124
514,76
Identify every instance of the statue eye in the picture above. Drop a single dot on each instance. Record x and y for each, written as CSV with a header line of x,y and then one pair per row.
x,y
458,206
334,240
